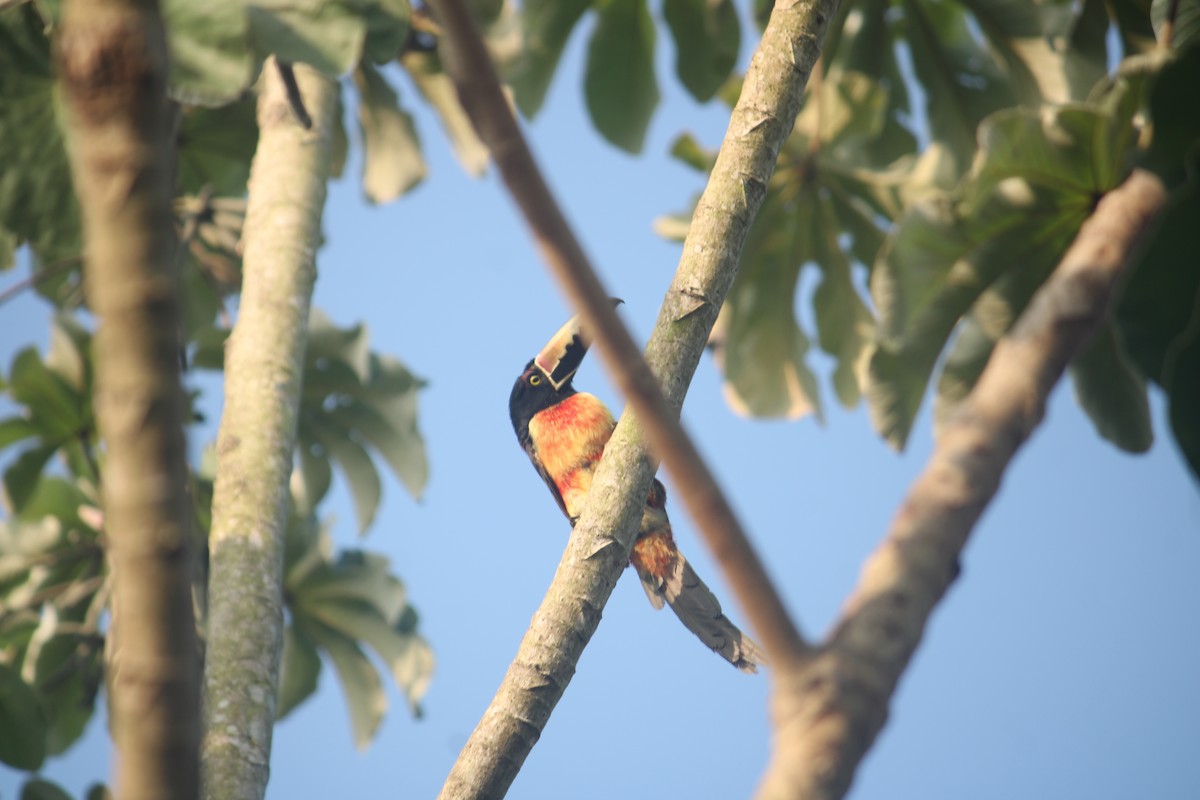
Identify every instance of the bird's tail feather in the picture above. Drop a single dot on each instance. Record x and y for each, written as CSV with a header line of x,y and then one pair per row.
x,y
668,577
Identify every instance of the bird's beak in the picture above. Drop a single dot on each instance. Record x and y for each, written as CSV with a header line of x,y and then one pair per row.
x,y
562,355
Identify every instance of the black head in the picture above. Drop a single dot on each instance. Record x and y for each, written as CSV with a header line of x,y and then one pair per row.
x,y
532,393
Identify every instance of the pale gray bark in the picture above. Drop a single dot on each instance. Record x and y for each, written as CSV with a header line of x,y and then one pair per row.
x,y
264,362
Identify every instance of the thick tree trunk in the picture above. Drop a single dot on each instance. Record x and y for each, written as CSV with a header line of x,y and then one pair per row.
x,y
112,64
264,363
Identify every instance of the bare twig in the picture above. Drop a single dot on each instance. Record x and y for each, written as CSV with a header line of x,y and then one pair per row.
x,y
828,712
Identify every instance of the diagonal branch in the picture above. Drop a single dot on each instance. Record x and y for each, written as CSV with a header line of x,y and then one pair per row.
x,y
759,125
828,712
111,59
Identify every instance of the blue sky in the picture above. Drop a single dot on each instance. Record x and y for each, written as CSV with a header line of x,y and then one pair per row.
x,y
1063,662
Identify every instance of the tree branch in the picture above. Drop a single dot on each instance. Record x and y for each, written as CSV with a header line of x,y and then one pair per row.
x,y
264,362
828,712
112,63
595,556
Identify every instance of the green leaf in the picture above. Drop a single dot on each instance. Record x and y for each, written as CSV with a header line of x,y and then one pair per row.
x,y
707,36
1033,183
845,327
37,198
1186,24
299,669
216,146
98,791
15,429
546,24
686,149
357,576
387,28
962,80
328,36
210,62
438,90
620,86
56,409
400,444
22,476
392,162
365,698
759,346
407,655
354,461
70,352
1112,392
22,724
316,475
40,789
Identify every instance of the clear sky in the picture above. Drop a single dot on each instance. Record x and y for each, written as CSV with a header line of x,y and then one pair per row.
x,y
1064,662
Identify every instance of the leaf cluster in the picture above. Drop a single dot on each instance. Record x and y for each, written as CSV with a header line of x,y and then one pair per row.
x,y
922,263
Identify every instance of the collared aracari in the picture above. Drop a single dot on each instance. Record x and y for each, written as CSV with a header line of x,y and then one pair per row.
x,y
564,431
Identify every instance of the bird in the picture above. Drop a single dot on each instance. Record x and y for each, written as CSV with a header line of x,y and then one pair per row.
x,y
564,432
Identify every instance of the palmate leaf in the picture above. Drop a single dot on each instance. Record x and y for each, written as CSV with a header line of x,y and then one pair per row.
x,y
353,402
1113,392
210,62
392,162
1034,181
22,722
707,37
546,25
361,685
822,179
619,84
37,201
328,36
336,606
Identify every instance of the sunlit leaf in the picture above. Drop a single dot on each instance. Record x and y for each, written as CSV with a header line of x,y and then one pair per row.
x,y
210,62
37,199
1035,180
438,90
619,84
962,80
325,35
392,162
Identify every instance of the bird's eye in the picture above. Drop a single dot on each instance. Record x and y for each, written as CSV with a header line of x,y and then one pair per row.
x,y
534,380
